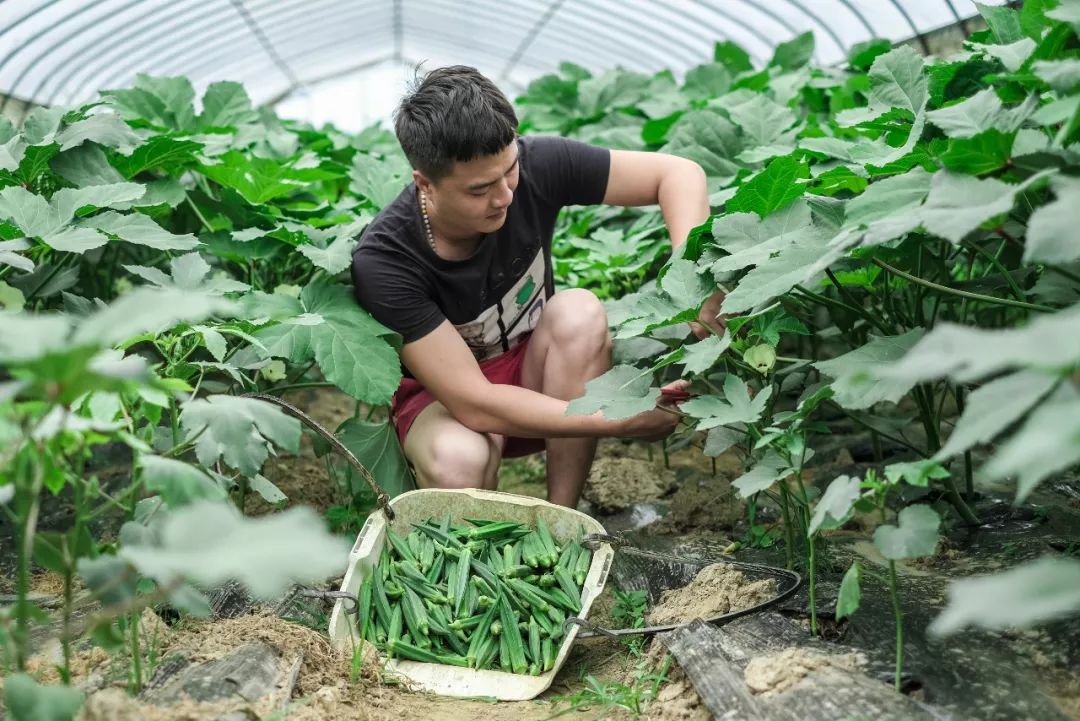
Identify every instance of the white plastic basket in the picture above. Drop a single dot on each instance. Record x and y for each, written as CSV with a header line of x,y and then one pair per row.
x,y
416,506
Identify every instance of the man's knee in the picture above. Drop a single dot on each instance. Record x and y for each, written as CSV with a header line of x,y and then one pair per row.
x,y
457,459
578,319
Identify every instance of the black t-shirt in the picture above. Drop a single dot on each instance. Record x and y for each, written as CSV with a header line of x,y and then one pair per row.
x,y
496,295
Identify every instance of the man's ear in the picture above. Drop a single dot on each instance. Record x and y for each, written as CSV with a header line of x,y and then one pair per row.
x,y
422,181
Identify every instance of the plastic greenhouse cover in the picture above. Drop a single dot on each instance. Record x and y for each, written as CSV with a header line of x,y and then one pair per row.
x,y
63,51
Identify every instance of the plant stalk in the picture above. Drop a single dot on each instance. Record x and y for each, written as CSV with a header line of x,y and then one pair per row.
x,y
899,619
136,653
789,527
963,293
32,503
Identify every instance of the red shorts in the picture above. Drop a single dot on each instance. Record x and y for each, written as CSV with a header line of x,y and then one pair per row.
x,y
411,398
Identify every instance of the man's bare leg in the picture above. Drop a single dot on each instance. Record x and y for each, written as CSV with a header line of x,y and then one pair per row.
x,y
446,454
571,345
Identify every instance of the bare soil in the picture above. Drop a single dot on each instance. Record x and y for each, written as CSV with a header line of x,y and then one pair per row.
x,y
305,478
717,589
617,483
779,671
327,691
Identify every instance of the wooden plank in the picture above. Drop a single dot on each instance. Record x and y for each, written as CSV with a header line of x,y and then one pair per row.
x,y
718,681
714,658
251,672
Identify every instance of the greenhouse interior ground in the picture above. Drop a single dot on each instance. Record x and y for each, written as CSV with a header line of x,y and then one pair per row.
x,y
668,361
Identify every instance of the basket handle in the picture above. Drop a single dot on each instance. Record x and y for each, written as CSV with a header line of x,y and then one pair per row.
x,y
382,500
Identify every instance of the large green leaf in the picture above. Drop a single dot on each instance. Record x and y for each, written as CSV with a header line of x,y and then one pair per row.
x,y
768,470
701,356
836,506
685,285
794,53
1062,75
762,120
188,272
159,152
141,230
380,180
778,240
958,204
720,439
211,543
360,363
1029,594
147,310
353,350
1051,236
614,89
75,240
706,129
226,105
985,153
752,241
67,201
914,535
980,112
26,336
9,254
40,126
735,407
104,129
378,449
27,701
777,186
732,56
706,81
1004,22
964,353
12,152
161,101
897,81
84,166
794,265
720,170
622,392
888,197
858,382
1048,442
991,409
1067,11
240,431
337,255
178,483
29,211
259,180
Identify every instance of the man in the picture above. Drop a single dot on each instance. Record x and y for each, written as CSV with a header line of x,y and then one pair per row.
x,y
460,265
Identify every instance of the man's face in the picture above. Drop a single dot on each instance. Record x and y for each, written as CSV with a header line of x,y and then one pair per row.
x,y
475,196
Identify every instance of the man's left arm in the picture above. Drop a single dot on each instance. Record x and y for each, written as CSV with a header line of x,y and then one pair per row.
x,y
678,186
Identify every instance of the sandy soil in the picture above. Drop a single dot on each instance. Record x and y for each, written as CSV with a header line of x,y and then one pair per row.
x,y
617,483
717,589
779,671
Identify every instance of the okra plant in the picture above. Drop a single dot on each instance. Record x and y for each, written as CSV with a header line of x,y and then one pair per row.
x,y
910,218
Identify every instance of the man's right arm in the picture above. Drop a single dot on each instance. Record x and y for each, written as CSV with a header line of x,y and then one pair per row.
x,y
443,364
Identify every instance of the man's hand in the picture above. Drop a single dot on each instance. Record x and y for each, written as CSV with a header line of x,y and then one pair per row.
x,y
660,422
710,316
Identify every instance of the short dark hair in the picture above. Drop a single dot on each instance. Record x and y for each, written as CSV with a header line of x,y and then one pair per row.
x,y
452,114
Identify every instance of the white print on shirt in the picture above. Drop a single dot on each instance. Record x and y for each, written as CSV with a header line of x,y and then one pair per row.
x,y
500,327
